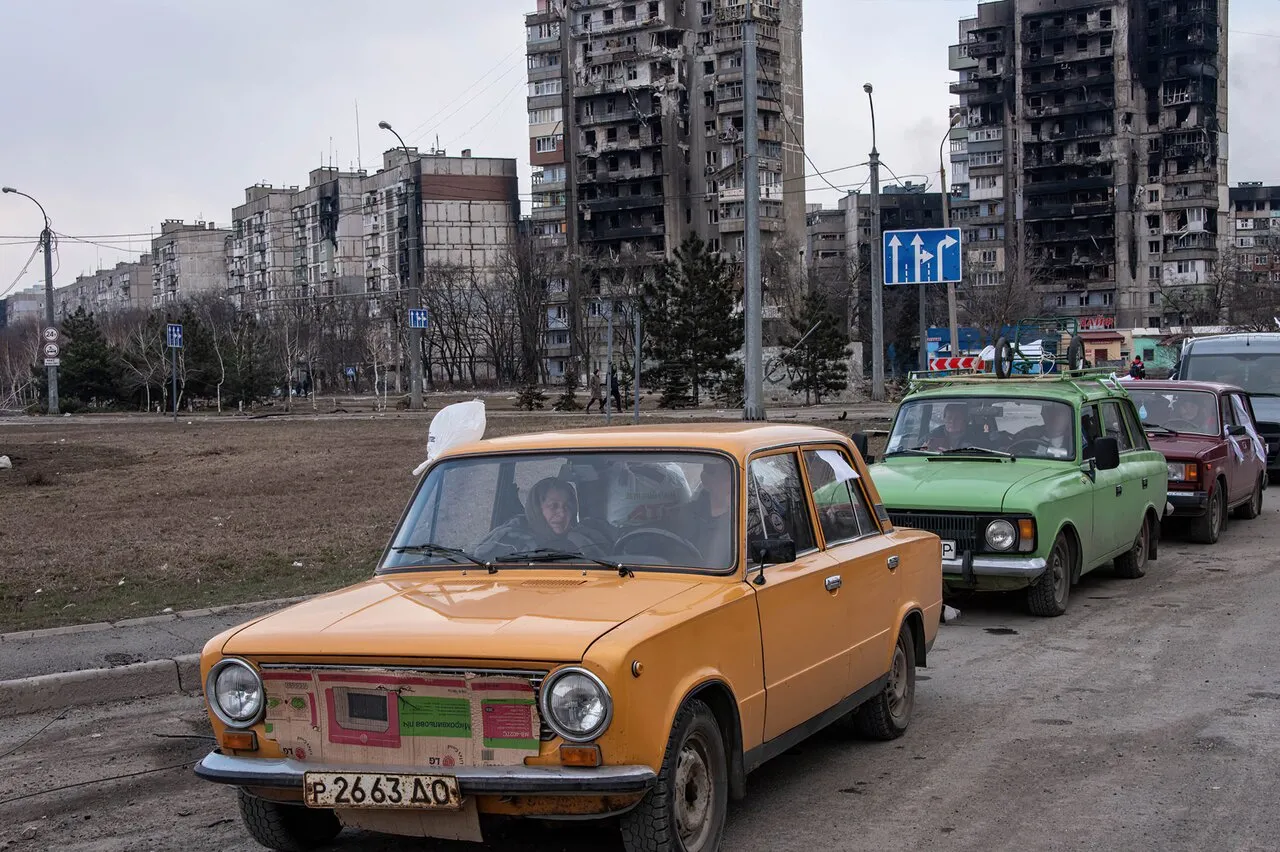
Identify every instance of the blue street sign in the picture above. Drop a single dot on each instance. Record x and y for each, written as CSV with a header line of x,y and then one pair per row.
x,y
174,335
351,372
930,256
417,318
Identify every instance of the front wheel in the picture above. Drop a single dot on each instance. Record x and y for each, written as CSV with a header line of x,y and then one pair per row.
x,y
1133,564
1048,597
286,828
686,809
887,716
1208,528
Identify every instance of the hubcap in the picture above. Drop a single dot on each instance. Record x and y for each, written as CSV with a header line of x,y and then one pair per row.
x,y
1060,579
1216,520
693,794
898,683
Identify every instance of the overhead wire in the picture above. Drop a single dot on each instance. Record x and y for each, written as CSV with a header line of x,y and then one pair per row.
x,y
23,272
462,94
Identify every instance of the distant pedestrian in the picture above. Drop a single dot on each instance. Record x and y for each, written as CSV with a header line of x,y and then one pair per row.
x,y
1137,370
613,387
593,384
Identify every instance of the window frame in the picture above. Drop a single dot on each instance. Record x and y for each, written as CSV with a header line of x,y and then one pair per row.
x,y
858,489
794,451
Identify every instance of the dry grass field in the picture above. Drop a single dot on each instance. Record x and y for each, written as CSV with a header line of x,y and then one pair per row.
x,y
122,516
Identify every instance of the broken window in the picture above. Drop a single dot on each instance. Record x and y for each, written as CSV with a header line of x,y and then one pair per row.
x,y
608,17
628,13
1104,17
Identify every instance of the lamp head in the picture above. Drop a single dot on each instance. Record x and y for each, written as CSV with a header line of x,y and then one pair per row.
x,y
866,87
956,119
7,189
384,125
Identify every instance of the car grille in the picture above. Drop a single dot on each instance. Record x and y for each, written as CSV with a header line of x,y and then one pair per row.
x,y
950,526
1272,437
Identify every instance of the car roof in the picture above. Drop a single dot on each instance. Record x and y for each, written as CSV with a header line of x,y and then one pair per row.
x,y
738,439
1053,386
1268,341
1172,384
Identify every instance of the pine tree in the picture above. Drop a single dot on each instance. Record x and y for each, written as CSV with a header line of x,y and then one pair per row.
x,y
820,361
694,323
90,368
568,400
531,397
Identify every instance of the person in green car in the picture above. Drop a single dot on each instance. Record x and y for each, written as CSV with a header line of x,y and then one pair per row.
x,y
954,431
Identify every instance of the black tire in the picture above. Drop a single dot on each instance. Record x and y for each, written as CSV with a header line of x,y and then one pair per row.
x,y
888,714
287,828
1049,596
1003,358
1132,564
1208,528
1075,353
1253,508
686,810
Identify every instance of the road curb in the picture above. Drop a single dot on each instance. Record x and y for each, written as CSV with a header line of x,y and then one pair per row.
x,y
27,635
58,691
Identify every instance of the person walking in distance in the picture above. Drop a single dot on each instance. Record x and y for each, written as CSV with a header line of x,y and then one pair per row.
x,y
593,385
613,388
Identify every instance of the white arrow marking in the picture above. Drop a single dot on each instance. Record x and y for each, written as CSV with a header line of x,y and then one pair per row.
x,y
921,255
895,244
945,243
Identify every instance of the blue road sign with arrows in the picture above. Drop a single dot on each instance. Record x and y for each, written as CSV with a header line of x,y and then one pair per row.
x,y
417,318
174,335
930,256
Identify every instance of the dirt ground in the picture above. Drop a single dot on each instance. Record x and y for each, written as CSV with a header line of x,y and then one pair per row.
x,y
112,517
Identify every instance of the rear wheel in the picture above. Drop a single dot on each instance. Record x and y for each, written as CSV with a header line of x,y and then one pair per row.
x,y
1208,528
1048,597
1253,508
286,828
887,716
1133,564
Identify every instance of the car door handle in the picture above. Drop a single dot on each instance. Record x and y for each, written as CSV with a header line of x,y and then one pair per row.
x,y
832,583
1119,490
893,562
1144,482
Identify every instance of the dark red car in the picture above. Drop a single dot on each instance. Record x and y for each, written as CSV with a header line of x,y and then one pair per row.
x,y
1209,437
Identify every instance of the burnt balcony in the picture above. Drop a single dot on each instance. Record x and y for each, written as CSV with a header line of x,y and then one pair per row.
x,y
1195,242
622,202
986,48
629,232
987,95
1068,184
1078,133
964,87
1068,210
1073,236
619,174
1073,108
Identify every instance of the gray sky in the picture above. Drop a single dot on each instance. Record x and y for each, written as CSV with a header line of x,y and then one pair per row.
x,y
119,113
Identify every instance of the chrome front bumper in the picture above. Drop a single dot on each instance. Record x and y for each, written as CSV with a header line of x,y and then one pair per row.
x,y
283,773
1026,567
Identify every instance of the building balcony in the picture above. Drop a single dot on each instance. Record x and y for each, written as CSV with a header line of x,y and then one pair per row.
x,y
978,49
634,232
1069,211
964,87
1071,184
605,176
619,25
987,95
621,202
1073,108
958,57
1193,242
1075,133
550,240
1045,60
548,212
767,193
738,224
734,105
1067,29
545,186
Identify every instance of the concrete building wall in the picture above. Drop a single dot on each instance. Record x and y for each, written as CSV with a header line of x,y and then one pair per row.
x,y
22,306
188,260
328,222
260,256
125,287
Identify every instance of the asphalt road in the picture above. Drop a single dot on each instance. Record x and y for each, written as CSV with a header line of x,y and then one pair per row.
x,y
1147,718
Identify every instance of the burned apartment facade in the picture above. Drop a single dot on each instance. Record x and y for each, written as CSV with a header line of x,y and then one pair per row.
x,y
636,141
1091,161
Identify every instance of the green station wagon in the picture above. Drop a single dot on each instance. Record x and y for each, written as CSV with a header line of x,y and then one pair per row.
x,y
1030,482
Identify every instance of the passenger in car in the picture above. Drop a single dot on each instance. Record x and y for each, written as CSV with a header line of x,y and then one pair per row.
x,y
954,431
550,522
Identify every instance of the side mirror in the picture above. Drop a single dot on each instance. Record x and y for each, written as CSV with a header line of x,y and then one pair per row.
x,y
1237,430
771,551
860,442
1106,453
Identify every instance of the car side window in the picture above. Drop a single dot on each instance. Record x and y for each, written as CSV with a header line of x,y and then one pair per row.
x,y
1228,415
1090,428
777,506
1136,433
1241,410
1113,425
842,509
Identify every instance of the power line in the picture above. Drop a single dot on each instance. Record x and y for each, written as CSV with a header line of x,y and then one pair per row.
x,y
23,272
463,93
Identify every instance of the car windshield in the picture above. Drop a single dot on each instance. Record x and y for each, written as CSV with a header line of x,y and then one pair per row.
x,y
628,510
1256,372
1178,410
1024,428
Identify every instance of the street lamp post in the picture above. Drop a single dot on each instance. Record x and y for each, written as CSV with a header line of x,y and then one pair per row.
x,y
952,314
877,264
415,292
46,240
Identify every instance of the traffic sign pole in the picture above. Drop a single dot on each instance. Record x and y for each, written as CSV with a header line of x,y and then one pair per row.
x,y
173,354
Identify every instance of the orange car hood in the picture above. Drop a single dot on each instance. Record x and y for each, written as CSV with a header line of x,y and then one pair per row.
x,y
517,614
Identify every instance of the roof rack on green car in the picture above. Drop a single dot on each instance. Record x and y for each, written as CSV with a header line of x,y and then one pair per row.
x,y
1105,376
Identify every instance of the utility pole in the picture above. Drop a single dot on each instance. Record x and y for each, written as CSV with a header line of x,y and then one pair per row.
x,y
753,315
413,203
608,379
953,318
46,240
637,364
877,265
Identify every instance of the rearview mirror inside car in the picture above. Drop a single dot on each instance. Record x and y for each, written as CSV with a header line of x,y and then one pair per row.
x,y
1106,453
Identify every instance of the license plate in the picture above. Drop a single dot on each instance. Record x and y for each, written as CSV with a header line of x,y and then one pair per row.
x,y
377,790
948,550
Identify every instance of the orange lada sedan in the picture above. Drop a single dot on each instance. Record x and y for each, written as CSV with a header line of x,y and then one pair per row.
x,y
593,623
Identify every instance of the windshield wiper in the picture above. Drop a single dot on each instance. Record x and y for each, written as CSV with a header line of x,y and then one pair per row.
x,y
912,451
984,450
1146,425
546,554
453,554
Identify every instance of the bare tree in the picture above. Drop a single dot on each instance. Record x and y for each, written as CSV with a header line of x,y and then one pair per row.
x,y
288,327
19,351
143,354
218,315
524,272
990,307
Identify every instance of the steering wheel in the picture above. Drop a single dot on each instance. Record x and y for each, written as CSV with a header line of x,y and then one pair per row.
x,y
666,541
1186,426
1032,445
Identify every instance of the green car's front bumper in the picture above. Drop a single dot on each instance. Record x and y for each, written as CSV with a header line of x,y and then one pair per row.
x,y
989,571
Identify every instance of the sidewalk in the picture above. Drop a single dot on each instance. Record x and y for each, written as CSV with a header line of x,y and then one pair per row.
x,y
84,664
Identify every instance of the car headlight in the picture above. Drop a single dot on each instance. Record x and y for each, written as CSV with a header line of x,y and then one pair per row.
x,y
1001,535
1181,472
576,704
235,693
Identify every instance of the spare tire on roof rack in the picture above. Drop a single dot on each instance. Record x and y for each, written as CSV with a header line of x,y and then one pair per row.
x,y
1003,358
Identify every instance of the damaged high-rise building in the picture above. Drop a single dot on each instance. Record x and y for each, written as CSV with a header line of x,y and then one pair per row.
x,y
636,137
1091,161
